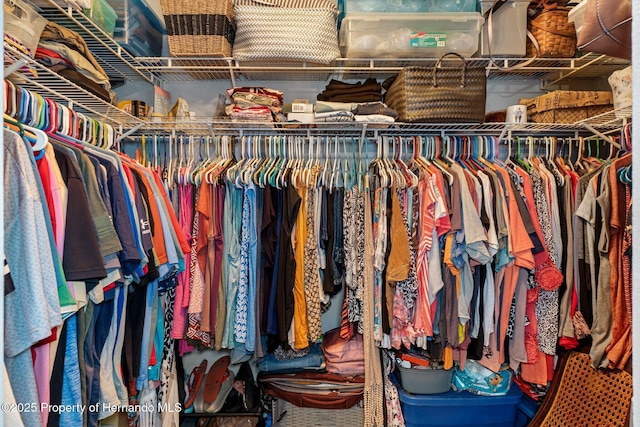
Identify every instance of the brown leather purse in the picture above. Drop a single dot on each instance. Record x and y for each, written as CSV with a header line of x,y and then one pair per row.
x,y
607,28
314,390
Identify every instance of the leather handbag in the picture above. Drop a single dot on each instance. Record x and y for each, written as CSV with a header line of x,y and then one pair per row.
x,y
343,357
607,28
314,390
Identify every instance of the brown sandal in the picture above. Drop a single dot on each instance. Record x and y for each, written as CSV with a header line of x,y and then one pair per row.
x,y
214,379
194,382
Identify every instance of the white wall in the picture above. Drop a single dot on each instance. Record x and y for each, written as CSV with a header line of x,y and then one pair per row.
x,y
201,95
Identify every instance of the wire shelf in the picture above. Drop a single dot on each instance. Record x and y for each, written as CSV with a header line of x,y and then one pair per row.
x,y
113,58
47,83
609,120
550,70
229,127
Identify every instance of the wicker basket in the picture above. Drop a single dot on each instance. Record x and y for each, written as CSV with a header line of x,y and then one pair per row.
x,y
199,27
287,414
555,35
452,94
286,30
567,106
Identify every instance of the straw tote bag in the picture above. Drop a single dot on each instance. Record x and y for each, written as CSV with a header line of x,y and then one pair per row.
x,y
452,94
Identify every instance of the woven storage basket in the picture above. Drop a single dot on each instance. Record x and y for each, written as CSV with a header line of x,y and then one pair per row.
x,y
452,94
199,27
556,36
286,30
567,106
287,414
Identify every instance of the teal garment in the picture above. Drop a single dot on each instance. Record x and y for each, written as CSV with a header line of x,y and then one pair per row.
x,y
231,229
147,330
255,195
158,339
121,388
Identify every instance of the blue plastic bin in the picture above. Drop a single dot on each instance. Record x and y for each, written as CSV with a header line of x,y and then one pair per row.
x,y
526,411
460,409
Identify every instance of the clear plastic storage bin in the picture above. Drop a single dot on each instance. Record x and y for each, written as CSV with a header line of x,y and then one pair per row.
x,y
409,35
103,15
138,29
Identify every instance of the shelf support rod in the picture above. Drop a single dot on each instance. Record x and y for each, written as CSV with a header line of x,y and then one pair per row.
x,y
231,73
364,131
503,133
210,127
14,67
129,132
600,134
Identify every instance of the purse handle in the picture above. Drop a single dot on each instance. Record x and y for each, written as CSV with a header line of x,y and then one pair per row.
x,y
437,65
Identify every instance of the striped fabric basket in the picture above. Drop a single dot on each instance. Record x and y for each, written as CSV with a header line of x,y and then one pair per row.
x,y
199,27
287,414
286,30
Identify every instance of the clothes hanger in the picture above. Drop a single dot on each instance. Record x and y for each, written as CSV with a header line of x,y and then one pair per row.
x,y
441,159
37,138
246,171
475,148
287,164
14,125
509,161
397,181
189,161
231,172
485,155
276,158
414,162
214,170
200,166
264,159
353,166
403,171
293,164
247,158
317,164
385,163
334,165
224,163
279,162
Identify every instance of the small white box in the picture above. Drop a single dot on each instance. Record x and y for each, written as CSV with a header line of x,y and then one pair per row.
x,y
509,24
301,107
301,117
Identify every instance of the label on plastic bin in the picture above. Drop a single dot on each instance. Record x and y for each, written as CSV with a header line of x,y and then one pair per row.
x,y
428,40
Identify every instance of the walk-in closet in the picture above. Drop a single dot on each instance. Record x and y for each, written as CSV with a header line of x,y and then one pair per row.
x,y
318,213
